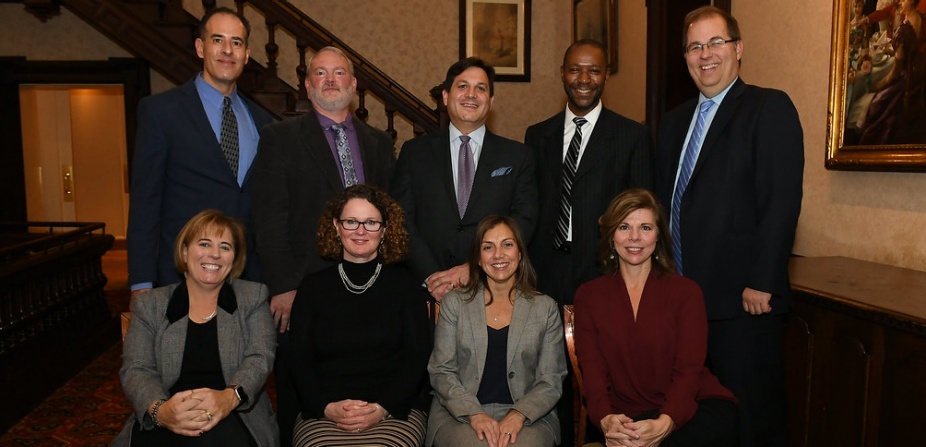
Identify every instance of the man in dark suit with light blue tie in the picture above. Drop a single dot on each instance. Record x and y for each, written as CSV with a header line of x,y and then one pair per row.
x,y
193,151
729,167
448,181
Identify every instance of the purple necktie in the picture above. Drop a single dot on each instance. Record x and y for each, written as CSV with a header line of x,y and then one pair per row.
x,y
466,171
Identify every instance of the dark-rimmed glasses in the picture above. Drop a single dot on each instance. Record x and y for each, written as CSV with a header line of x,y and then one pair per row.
x,y
353,224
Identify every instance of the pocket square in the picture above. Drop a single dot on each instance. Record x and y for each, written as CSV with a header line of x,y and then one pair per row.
x,y
501,171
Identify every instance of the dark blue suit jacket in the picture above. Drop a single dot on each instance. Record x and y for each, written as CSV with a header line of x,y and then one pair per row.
x,y
178,170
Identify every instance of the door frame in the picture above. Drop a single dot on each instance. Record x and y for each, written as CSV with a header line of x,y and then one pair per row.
x,y
133,74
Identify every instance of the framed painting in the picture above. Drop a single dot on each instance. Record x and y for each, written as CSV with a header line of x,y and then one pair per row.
x,y
876,117
597,19
498,32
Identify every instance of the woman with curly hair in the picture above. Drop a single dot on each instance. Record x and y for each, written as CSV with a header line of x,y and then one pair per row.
x,y
360,332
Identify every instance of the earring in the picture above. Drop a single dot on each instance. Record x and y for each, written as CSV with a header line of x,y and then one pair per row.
x,y
612,256
656,257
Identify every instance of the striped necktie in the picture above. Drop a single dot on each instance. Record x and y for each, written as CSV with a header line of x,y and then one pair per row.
x,y
684,174
569,173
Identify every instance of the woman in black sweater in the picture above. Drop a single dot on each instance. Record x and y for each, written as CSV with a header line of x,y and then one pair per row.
x,y
360,336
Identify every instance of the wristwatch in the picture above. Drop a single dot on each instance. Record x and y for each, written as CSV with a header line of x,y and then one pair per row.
x,y
239,391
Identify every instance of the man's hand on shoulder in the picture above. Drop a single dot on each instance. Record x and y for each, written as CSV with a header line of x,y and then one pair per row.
x,y
440,283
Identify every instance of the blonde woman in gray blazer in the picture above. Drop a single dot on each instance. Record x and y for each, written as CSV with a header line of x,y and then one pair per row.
x,y
498,362
197,354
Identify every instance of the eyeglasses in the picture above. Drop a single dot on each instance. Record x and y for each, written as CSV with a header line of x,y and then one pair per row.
x,y
714,45
353,224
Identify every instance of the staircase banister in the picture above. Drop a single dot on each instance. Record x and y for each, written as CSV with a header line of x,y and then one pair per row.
x,y
316,36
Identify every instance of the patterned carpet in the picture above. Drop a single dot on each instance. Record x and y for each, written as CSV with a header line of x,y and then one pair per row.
x,y
89,410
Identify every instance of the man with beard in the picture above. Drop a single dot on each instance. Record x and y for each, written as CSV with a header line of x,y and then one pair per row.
x,y
586,155
302,163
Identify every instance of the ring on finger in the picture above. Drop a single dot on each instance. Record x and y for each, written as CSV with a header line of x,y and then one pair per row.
x,y
208,416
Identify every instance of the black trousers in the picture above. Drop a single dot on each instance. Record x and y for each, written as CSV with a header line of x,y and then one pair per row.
x,y
714,425
745,354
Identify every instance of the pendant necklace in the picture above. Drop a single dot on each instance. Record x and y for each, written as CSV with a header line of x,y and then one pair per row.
x,y
354,288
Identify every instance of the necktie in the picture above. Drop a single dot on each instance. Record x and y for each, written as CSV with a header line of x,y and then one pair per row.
x,y
230,135
684,174
347,161
466,171
569,173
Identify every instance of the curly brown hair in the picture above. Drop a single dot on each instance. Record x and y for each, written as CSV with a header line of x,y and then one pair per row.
x,y
212,223
621,207
394,247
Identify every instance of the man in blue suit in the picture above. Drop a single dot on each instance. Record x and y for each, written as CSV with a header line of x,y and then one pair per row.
x,y
181,164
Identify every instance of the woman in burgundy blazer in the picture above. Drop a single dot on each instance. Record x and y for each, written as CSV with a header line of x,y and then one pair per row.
x,y
641,338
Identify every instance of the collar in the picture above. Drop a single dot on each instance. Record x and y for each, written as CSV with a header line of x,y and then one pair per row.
x,y
179,305
591,117
210,94
326,122
477,135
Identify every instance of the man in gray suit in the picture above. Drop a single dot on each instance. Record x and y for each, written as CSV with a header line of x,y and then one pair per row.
x,y
302,163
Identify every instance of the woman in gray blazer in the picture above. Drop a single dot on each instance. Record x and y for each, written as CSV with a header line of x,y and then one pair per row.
x,y
498,362
197,354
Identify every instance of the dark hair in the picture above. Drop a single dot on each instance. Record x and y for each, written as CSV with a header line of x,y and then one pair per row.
x,y
705,12
524,278
582,43
394,246
201,30
213,223
621,207
464,64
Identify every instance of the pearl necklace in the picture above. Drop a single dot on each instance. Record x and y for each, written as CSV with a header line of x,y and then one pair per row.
x,y
353,288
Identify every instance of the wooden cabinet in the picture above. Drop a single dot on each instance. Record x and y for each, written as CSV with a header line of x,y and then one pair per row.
x,y
855,354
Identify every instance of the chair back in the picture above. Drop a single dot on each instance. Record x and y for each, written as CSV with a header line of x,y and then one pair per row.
x,y
581,413
126,319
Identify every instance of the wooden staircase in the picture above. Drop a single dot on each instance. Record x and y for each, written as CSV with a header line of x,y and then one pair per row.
x,y
163,32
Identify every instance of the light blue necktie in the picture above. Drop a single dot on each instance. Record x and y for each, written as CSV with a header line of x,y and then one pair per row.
x,y
684,174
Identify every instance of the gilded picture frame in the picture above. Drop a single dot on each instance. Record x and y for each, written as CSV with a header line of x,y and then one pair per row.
x,y
876,113
499,32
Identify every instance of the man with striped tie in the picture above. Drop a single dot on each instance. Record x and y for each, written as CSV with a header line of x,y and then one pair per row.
x,y
729,167
586,155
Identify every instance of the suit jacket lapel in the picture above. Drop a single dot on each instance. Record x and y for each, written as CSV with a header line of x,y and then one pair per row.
x,y
519,318
553,150
477,320
718,124
488,161
677,142
598,145
313,139
440,149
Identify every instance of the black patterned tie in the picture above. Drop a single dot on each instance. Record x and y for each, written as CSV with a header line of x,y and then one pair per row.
x,y
230,135
347,160
569,173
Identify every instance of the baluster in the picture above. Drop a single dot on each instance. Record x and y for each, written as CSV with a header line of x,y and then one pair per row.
x,y
271,48
302,96
362,111
390,123
240,5
208,4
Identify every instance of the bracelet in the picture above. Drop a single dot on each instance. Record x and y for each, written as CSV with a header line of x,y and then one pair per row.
x,y
154,412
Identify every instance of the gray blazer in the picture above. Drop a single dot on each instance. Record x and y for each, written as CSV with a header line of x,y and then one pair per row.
x,y
153,354
536,360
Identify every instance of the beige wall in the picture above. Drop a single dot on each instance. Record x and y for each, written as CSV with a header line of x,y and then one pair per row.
x,y
865,215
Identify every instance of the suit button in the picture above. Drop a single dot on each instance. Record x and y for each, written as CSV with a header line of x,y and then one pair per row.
x,y
459,228
511,375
